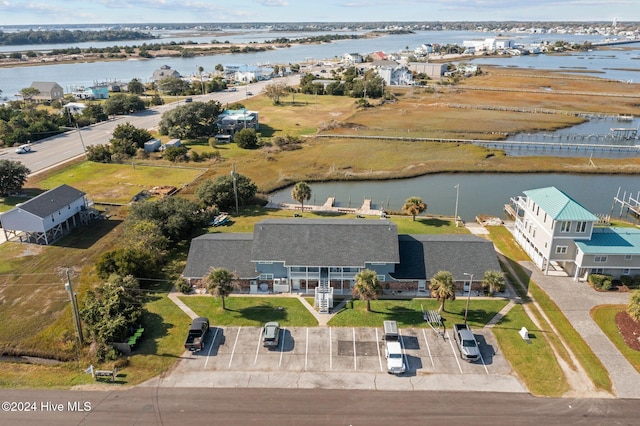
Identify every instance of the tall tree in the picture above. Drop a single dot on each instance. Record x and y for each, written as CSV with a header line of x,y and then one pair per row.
x,y
367,286
301,193
275,91
28,93
494,281
191,120
135,87
246,139
443,288
414,206
219,192
13,175
634,305
220,283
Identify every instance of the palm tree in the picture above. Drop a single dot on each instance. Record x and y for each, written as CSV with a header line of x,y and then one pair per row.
x,y
220,283
301,193
200,69
442,288
634,305
367,286
494,281
414,206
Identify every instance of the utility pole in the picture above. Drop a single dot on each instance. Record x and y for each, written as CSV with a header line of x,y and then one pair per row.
x,y
466,310
74,305
457,187
235,188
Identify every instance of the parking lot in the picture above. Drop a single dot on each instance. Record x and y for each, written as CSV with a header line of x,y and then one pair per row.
x,y
323,349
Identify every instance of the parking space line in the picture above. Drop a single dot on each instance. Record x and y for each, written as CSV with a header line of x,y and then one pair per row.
x,y
255,360
330,351
211,347
482,359
306,350
355,358
404,352
281,345
234,346
455,354
379,356
428,348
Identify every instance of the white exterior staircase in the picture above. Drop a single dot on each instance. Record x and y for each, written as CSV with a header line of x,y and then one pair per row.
x,y
323,297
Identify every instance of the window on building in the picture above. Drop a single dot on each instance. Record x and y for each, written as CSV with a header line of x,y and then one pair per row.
x,y
597,270
561,250
266,276
545,218
537,210
626,271
628,257
262,262
565,226
600,259
581,226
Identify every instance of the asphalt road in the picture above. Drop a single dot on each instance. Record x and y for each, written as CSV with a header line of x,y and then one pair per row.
x,y
58,149
166,406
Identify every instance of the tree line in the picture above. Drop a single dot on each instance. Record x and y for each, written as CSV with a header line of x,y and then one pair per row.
x,y
66,36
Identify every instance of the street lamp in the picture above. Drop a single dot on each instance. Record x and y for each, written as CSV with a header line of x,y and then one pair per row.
x,y
466,310
457,187
235,188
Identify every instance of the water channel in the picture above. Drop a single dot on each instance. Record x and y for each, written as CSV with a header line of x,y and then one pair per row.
x,y
478,193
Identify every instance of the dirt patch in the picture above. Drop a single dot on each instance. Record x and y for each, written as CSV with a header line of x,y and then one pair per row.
x,y
31,250
629,329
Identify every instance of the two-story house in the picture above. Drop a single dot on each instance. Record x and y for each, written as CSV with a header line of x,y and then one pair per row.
x,y
558,232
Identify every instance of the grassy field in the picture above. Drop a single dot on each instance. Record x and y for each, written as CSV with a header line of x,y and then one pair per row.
x,y
118,183
534,363
408,313
251,311
605,317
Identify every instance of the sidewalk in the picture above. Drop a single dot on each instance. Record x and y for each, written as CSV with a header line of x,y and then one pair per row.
x,y
575,300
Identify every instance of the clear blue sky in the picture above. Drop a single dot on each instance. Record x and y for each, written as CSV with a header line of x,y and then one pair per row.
x,y
21,12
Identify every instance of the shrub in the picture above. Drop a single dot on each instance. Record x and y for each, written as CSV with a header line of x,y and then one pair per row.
x,y
183,286
601,281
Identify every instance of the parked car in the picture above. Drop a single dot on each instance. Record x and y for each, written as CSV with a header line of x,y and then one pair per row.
x,y
249,93
197,332
23,149
271,334
467,344
187,100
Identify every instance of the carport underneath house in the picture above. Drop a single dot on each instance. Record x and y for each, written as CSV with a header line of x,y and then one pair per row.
x,y
323,256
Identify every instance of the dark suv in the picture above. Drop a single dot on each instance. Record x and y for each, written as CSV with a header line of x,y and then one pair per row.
x,y
271,334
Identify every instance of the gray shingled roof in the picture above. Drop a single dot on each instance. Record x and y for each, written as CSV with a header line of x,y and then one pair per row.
x,y
325,242
229,251
51,201
422,256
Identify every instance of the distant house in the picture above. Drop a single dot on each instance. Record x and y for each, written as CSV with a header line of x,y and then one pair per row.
x,y
231,121
352,58
378,56
48,91
429,69
397,75
47,217
99,92
163,72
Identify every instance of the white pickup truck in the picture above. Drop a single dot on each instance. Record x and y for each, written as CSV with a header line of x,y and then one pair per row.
x,y
466,342
395,359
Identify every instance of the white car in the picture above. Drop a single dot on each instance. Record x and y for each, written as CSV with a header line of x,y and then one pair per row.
x,y
23,149
395,359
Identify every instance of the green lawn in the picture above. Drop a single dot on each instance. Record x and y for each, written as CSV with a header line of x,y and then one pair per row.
x,y
534,363
605,317
408,313
118,183
251,311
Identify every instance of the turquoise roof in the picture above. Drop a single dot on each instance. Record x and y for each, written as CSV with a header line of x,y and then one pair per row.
x,y
612,241
559,205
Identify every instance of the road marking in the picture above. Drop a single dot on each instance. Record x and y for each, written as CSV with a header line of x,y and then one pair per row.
x,y
379,356
281,346
482,359
355,358
211,346
234,346
306,350
258,347
455,354
428,348
330,351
